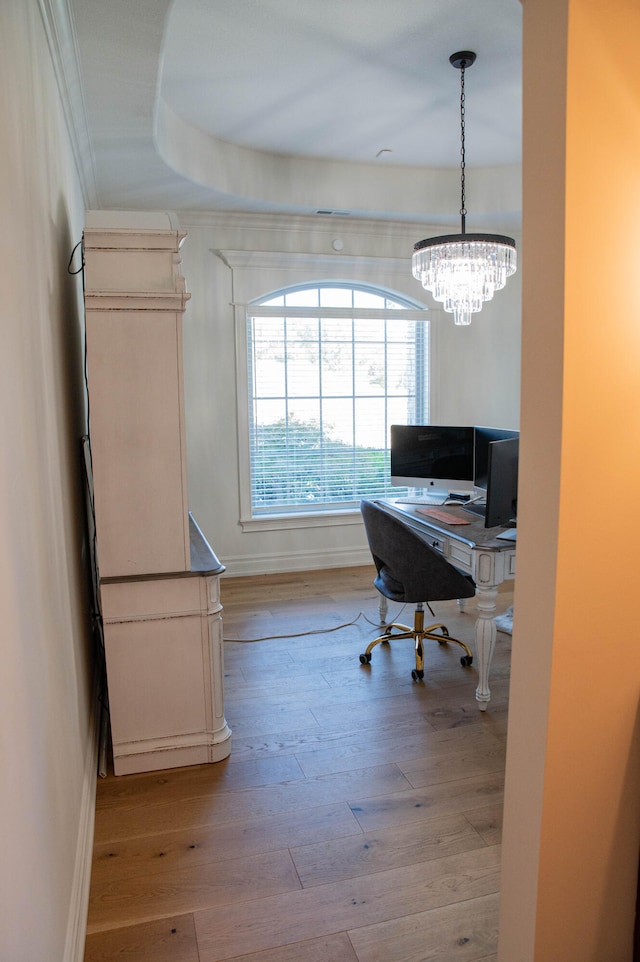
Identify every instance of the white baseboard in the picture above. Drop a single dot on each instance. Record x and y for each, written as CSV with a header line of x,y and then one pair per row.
x,y
79,902
296,561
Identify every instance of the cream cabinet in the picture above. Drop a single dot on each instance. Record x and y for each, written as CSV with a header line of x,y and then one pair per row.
x,y
136,406
159,579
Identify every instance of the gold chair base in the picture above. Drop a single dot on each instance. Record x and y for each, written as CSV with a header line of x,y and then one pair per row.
x,y
436,632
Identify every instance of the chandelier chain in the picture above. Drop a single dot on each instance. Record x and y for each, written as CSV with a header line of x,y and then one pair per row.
x,y
463,209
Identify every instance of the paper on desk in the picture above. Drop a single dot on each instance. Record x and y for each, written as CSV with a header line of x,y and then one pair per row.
x,y
442,516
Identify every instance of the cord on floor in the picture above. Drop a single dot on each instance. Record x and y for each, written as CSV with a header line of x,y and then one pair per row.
x,y
317,631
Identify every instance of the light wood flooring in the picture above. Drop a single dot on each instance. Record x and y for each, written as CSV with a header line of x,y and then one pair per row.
x,y
358,816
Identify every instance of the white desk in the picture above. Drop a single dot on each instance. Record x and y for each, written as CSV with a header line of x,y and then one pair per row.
x,y
477,551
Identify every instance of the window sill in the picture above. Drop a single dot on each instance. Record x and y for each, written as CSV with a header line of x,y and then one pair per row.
x,y
279,522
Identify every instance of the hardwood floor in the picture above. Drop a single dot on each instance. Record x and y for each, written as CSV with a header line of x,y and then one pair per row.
x,y
357,818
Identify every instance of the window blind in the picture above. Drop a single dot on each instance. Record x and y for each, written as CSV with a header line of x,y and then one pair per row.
x,y
330,369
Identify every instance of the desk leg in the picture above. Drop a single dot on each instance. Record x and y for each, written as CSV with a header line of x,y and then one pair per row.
x,y
485,640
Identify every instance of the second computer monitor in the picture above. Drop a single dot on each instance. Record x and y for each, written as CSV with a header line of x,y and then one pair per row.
x,y
502,486
483,438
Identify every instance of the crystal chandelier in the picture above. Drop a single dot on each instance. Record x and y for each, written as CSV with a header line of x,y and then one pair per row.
x,y
464,270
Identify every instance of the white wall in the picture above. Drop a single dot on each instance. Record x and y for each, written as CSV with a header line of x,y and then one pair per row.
x,y
476,370
46,745
572,802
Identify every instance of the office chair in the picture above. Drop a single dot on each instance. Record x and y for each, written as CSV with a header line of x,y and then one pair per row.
x,y
410,570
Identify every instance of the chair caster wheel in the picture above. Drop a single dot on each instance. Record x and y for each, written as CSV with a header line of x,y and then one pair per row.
x,y
417,675
365,659
466,660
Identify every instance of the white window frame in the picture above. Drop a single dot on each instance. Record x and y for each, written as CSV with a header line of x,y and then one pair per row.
x,y
326,516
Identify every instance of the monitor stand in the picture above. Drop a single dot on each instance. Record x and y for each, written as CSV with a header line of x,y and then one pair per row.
x,y
477,507
428,495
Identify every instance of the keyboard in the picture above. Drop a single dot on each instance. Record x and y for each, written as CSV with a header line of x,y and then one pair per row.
x,y
423,501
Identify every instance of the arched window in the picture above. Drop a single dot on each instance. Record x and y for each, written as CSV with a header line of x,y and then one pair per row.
x,y
330,367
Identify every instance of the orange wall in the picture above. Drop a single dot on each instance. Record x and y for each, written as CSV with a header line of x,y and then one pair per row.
x,y
572,876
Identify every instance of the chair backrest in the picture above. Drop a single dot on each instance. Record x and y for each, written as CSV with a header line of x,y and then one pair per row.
x,y
409,569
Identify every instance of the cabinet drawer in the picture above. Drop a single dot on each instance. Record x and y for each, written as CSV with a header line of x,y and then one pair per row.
x,y
439,544
460,555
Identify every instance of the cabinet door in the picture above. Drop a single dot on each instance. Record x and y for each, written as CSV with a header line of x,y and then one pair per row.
x,y
134,363
163,646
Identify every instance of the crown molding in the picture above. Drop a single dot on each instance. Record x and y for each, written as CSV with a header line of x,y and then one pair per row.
x,y
317,223
298,260
59,28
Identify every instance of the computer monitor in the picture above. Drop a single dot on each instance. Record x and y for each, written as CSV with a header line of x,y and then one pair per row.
x,y
483,438
502,486
436,457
